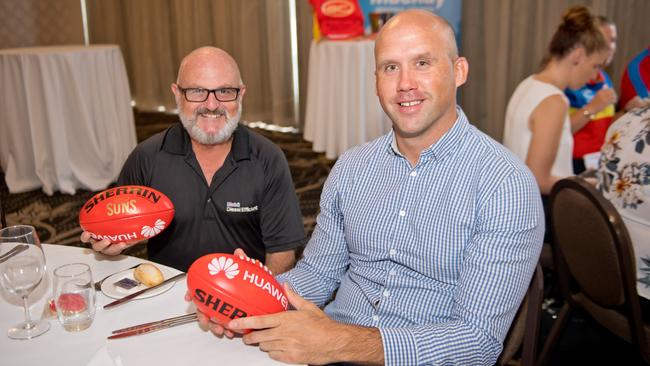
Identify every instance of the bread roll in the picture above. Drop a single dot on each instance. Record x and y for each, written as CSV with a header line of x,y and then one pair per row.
x,y
148,274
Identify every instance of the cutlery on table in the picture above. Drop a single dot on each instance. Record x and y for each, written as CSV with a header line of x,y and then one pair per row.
x,y
98,284
132,296
153,326
13,251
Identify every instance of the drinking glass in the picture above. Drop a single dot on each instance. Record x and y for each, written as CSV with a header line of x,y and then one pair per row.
x,y
74,296
21,274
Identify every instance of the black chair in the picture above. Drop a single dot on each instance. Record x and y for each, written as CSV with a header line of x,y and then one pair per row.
x,y
3,221
524,331
594,261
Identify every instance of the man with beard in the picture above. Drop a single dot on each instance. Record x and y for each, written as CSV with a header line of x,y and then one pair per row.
x,y
230,186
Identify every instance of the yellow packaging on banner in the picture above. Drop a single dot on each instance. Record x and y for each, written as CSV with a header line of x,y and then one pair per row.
x,y
315,28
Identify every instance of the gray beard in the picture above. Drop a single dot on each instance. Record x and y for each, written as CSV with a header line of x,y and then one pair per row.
x,y
200,136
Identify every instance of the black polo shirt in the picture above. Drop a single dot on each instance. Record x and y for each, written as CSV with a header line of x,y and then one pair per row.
x,y
250,203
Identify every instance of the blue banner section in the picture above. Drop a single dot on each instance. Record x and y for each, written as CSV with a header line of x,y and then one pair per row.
x,y
375,11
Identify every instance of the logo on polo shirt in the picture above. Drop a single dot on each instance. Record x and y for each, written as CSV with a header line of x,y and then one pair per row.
x,y
237,207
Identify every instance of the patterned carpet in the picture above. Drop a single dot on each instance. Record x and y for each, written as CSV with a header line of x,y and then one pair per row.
x,y
56,216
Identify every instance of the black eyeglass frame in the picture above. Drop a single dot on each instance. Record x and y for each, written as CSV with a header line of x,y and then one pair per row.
x,y
210,91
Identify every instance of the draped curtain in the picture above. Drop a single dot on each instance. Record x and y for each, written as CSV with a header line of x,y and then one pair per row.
x,y
28,23
505,41
154,35
305,35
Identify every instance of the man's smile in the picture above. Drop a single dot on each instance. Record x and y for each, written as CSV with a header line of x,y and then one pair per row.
x,y
211,114
410,104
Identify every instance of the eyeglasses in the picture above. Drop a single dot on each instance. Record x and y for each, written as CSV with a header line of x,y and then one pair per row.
x,y
201,94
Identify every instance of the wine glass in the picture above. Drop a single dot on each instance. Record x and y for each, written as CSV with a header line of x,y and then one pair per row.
x,y
21,273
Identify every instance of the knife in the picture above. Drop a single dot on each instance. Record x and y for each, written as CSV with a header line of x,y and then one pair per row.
x,y
145,330
153,326
138,293
14,251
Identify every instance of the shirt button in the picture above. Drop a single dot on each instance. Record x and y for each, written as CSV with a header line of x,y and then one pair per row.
x,y
392,272
375,318
386,293
392,252
209,200
414,174
402,213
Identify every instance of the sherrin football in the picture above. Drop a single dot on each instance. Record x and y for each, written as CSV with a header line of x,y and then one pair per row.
x,y
126,214
226,287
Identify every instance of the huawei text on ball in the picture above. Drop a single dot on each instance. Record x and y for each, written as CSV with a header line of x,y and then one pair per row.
x,y
267,286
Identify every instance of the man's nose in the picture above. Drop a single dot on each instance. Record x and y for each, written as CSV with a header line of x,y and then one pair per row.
x,y
406,80
212,102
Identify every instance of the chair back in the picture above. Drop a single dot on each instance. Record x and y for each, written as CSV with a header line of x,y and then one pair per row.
x,y
595,260
524,330
3,221
593,242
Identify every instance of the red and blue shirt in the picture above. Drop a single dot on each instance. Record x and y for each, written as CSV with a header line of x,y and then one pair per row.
x,y
591,137
636,78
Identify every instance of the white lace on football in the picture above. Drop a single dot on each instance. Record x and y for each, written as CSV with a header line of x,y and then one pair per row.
x,y
230,268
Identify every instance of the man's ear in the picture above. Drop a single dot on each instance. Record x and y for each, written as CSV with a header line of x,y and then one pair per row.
x,y
177,92
461,70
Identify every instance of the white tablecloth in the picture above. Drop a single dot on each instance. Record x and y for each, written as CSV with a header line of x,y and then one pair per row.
x,y
342,105
182,345
66,120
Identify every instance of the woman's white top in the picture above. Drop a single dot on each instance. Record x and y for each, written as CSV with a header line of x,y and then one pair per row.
x,y
517,134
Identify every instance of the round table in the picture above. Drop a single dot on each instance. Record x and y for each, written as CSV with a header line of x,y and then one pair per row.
x,y
182,345
66,120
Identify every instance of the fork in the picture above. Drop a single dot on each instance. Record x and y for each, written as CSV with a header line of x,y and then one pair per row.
x,y
98,284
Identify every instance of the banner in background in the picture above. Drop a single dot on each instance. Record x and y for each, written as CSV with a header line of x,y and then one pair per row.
x,y
377,12
337,19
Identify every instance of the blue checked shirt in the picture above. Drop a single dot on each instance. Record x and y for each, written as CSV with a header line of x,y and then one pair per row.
x,y
438,256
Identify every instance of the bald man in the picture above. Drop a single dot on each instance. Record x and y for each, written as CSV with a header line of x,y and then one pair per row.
x,y
231,187
427,236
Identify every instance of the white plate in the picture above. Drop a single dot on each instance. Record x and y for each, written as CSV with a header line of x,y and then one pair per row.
x,y
110,290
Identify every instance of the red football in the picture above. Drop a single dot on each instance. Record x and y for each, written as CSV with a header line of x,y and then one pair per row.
x,y
225,287
127,213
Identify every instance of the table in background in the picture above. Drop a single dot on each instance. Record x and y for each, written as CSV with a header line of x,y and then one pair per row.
x,y
66,120
182,345
342,109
